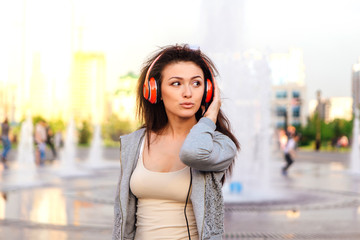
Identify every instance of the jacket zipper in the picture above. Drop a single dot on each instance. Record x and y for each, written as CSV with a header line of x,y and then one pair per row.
x,y
121,210
203,223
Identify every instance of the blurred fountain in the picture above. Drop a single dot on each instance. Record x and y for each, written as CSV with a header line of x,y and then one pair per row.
x,y
355,155
245,81
68,166
26,154
24,173
247,104
95,159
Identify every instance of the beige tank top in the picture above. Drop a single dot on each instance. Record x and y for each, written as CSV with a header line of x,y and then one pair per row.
x,y
161,201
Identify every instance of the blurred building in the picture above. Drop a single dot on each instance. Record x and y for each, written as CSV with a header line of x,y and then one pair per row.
x,y
332,108
123,102
288,105
288,88
87,87
356,84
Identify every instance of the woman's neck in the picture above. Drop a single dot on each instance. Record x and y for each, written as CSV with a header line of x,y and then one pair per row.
x,y
179,127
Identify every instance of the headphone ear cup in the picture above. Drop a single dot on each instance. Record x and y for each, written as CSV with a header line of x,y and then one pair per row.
x,y
158,91
153,91
146,90
209,91
205,92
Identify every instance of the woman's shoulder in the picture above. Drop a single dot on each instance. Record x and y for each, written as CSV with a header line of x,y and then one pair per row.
x,y
134,136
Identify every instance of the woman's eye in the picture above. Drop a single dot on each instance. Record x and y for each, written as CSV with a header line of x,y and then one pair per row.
x,y
175,84
197,83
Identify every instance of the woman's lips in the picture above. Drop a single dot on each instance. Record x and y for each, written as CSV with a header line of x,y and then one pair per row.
x,y
187,104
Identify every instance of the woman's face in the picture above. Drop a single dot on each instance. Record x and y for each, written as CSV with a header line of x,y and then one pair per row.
x,y
182,89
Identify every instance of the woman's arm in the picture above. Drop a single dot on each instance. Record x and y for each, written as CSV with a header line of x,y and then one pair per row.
x,y
205,149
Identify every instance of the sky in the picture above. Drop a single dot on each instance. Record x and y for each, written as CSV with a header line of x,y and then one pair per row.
x,y
326,31
129,31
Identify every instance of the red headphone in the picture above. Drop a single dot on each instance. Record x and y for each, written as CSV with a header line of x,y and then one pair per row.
x,y
152,92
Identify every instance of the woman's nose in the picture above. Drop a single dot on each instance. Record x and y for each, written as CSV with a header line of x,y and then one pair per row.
x,y
187,91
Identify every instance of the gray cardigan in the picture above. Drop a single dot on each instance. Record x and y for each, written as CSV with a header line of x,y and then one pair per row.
x,y
208,152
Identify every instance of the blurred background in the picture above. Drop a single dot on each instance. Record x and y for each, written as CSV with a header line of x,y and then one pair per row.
x,y
68,73
77,59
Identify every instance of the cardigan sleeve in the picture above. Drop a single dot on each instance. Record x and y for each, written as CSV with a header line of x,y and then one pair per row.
x,y
205,149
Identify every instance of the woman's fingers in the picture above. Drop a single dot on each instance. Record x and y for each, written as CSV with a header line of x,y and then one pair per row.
x,y
217,93
214,107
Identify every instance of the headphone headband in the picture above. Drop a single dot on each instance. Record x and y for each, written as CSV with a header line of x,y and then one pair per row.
x,y
151,66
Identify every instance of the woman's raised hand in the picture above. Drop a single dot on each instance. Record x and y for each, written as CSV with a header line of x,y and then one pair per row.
x,y
215,105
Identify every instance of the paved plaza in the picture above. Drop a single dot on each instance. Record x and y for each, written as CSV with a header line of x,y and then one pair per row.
x,y
319,199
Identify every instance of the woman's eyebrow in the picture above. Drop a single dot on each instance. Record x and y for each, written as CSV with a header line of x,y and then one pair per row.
x,y
175,77
181,78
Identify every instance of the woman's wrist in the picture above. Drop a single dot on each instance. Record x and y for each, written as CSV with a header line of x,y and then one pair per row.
x,y
212,118
210,122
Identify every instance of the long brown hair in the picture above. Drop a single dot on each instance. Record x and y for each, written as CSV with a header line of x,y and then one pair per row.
x,y
153,116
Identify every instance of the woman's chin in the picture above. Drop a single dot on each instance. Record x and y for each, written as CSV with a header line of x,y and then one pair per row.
x,y
185,116
189,113
183,113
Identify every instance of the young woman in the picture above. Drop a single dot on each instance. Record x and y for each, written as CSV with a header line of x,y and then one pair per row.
x,y
173,168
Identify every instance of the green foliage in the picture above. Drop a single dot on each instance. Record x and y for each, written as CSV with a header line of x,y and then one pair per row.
x,y
15,132
329,131
116,127
308,132
84,133
37,119
57,125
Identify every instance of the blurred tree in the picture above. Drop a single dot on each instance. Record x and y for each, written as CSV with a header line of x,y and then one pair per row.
x,y
57,125
327,132
115,127
308,132
15,132
347,128
330,132
84,133
336,126
37,119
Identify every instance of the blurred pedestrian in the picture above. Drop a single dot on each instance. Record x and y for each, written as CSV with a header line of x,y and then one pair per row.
x,y
290,151
173,168
290,131
282,138
40,141
343,141
5,129
50,140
